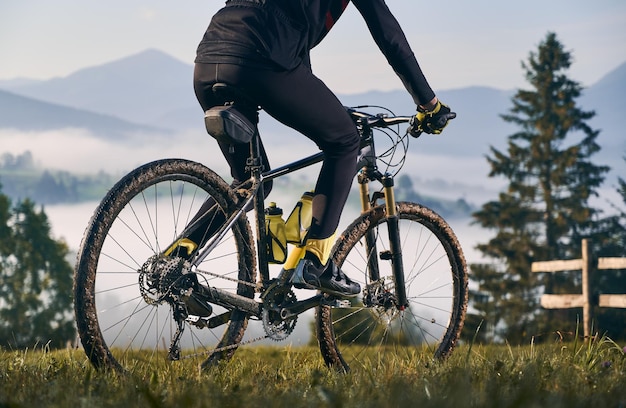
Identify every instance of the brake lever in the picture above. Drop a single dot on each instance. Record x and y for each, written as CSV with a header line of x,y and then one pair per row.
x,y
414,129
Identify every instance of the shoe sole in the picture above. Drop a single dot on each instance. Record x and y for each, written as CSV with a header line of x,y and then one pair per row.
x,y
308,286
299,282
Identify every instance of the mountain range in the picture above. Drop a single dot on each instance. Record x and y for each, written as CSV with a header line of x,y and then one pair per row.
x,y
151,92
29,114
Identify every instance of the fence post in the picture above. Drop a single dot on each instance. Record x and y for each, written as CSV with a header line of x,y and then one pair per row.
x,y
587,264
587,268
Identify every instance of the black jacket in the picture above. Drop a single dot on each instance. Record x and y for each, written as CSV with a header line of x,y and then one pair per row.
x,y
280,34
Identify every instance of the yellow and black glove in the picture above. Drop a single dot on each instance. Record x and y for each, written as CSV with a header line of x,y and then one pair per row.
x,y
432,121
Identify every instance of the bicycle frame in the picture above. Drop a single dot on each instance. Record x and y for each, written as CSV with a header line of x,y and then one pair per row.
x,y
366,171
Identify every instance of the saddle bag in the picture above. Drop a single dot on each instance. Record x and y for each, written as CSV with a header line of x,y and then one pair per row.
x,y
228,125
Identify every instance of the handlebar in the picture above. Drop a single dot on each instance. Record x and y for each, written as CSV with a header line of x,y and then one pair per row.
x,y
378,120
383,121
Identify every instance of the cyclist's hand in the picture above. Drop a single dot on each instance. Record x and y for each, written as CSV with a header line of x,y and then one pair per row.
x,y
432,121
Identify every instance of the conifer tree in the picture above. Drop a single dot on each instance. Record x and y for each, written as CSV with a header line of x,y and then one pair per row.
x,y
35,280
545,211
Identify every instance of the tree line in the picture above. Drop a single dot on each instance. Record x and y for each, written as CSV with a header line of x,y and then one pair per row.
x,y
21,178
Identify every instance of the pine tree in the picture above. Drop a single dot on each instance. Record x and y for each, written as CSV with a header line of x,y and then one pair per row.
x,y
35,280
545,212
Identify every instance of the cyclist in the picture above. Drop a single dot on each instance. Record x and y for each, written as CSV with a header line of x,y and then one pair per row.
x,y
262,48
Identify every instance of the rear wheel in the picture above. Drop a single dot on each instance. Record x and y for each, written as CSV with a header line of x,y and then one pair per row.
x,y
374,330
133,304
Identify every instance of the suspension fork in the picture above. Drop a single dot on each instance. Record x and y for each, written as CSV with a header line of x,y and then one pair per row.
x,y
395,251
370,236
394,242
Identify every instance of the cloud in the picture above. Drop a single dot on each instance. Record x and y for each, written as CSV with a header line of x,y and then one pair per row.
x,y
79,151
148,14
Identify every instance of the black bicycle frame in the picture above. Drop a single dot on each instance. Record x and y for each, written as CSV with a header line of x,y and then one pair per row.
x,y
367,171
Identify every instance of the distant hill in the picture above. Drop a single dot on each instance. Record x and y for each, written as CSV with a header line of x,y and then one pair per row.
x,y
7,84
139,88
607,98
22,113
153,90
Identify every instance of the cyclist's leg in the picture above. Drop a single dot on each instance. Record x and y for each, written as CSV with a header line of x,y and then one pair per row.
x,y
300,100
303,102
236,155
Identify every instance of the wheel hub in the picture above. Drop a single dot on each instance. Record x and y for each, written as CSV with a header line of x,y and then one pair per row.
x,y
167,279
381,298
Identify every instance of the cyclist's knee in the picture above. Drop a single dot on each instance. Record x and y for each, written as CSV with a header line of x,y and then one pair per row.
x,y
346,145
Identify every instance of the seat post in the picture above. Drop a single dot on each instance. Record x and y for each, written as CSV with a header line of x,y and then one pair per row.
x,y
255,166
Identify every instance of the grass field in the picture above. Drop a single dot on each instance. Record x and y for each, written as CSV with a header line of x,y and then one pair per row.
x,y
582,374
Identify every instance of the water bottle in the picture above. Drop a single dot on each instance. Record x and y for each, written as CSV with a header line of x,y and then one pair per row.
x,y
276,240
299,220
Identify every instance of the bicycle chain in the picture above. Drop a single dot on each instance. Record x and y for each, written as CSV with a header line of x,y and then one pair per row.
x,y
232,346
220,349
215,275
257,289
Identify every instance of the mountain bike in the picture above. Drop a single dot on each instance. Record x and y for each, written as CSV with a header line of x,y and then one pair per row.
x,y
137,300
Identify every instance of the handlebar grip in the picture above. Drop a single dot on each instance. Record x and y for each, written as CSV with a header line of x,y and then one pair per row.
x,y
443,119
416,129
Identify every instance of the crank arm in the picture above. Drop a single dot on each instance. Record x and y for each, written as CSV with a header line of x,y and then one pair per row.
x,y
301,306
306,304
212,322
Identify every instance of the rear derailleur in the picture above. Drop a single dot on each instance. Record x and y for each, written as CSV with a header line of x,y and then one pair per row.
x,y
170,280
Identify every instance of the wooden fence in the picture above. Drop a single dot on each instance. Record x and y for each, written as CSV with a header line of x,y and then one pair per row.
x,y
587,265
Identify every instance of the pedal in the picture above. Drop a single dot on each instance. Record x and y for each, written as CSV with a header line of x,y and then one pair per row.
x,y
342,303
218,320
199,322
210,322
338,303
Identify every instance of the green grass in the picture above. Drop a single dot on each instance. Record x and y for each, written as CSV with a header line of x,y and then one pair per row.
x,y
581,374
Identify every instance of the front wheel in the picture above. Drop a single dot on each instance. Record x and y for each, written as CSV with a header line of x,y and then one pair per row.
x,y
375,329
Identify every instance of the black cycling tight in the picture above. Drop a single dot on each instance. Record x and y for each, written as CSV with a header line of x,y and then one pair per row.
x,y
301,101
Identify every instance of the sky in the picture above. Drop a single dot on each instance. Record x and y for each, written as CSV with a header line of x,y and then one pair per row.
x,y
458,43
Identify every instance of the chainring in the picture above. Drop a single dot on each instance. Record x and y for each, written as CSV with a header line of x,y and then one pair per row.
x,y
276,298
